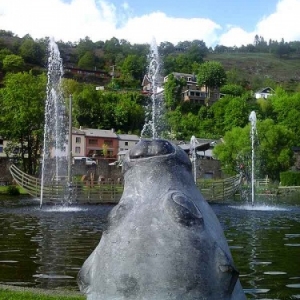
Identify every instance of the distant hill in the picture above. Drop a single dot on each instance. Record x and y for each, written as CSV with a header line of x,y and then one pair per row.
x,y
253,67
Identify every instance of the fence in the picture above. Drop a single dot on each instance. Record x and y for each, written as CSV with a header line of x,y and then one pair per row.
x,y
109,191
219,189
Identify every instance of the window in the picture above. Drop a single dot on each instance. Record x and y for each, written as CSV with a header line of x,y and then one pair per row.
x,y
109,143
92,142
77,149
1,142
1,149
78,140
126,143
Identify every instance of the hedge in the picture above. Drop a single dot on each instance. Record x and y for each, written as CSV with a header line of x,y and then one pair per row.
x,y
290,178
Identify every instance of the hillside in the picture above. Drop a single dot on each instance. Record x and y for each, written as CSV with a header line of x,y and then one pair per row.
x,y
254,66
253,69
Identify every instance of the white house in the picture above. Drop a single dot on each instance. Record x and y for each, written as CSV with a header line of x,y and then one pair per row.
x,y
264,93
126,142
78,142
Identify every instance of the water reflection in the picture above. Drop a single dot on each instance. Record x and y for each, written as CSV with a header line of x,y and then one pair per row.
x,y
258,242
46,248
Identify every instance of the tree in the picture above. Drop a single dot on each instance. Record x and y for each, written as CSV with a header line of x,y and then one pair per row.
x,y
172,92
129,113
112,47
22,102
236,113
13,63
32,52
286,108
211,74
85,45
3,53
273,149
135,66
87,61
236,144
232,89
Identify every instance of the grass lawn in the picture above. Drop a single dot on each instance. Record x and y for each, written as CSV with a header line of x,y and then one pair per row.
x,y
3,190
32,294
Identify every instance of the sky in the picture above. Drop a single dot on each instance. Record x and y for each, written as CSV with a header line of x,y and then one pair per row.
x,y
216,22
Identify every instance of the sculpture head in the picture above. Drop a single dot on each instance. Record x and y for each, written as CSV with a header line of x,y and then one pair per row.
x,y
163,240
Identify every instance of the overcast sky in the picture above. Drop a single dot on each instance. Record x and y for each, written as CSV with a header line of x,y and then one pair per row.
x,y
223,22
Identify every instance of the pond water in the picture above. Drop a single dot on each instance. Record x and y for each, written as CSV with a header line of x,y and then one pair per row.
x,y
46,248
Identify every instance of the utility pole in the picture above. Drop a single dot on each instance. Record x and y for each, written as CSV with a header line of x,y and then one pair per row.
x,y
70,142
113,72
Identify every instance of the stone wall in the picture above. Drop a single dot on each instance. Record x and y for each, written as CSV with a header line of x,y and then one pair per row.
x,y
102,169
206,168
209,168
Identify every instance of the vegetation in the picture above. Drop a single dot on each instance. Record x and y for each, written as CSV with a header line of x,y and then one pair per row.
x,y
22,115
4,190
290,178
27,295
238,72
13,190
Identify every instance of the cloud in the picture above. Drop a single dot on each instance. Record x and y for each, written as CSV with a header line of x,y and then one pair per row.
x,y
283,23
164,28
99,20
236,36
72,20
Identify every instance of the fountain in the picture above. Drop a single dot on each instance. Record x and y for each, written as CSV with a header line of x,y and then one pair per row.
x,y
155,123
163,241
255,206
55,156
266,258
252,119
193,144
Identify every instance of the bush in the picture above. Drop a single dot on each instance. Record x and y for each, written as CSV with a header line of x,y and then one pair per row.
x,y
13,190
290,178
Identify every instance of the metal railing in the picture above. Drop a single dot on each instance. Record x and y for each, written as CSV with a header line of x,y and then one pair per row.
x,y
109,191
219,189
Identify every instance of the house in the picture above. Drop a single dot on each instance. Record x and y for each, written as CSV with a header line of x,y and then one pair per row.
x,y
100,143
194,93
147,85
264,93
126,142
87,73
78,142
207,166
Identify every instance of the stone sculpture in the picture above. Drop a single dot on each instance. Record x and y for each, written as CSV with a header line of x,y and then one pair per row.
x,y
163,240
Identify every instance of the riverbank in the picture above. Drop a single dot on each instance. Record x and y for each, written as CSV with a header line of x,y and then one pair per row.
x,y
9,292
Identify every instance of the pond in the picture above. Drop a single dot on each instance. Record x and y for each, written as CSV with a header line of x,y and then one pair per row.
x,y
46,247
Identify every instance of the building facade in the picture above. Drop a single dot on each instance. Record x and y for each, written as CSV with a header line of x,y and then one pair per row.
x,y
100,143
193,93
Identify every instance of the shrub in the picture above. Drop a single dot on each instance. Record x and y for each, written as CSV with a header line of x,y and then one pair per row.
x,y
290,178
13,190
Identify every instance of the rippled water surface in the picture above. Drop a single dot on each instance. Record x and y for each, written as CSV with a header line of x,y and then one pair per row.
x,y
47,247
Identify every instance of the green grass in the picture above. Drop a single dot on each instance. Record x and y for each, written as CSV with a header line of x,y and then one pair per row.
x,y
28,295
3,190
